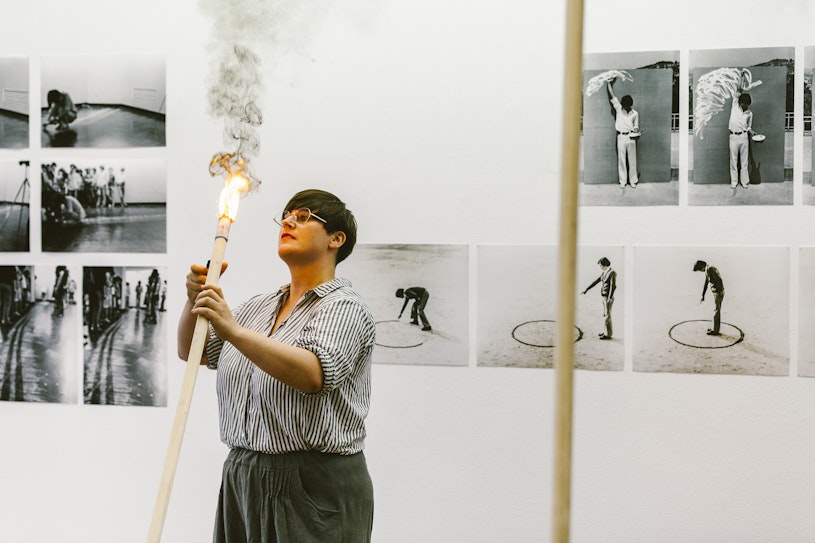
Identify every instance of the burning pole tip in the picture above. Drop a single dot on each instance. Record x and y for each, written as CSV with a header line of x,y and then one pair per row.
x,y
238,182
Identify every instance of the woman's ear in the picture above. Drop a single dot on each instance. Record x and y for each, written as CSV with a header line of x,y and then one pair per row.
x,y
337,240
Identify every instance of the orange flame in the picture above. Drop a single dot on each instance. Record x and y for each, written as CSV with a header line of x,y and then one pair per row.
x,y
231,194
238,182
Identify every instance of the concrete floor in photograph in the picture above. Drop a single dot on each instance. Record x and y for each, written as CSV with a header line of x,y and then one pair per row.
x,y
13,131
133,229
14,228
36,362
108,126
126,363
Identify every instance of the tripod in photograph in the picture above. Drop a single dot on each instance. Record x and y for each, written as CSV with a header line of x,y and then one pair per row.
x,y
21,200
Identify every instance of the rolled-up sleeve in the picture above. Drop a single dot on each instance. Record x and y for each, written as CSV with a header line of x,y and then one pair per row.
x,y
213,350
340,334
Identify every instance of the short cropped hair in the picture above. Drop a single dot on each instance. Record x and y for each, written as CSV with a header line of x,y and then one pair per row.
x,y
745,99
700,265
329,207
626,101
604,262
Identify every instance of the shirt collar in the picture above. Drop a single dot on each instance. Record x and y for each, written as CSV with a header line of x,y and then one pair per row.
x,y
321,290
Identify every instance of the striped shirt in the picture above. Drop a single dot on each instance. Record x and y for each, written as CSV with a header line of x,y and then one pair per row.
x,y
260,413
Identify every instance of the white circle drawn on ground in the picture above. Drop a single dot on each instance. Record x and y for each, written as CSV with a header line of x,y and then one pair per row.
x,y
693,333
540,333
396,334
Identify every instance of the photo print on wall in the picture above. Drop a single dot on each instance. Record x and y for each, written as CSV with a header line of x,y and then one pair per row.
x,y
741,143
125,336
806,313
14,102
418,295
39,322
103,101
517,307
105,206
808,180
722,310
630,129
15,205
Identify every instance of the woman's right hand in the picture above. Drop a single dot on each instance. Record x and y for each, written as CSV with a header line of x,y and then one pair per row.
x,y
196,279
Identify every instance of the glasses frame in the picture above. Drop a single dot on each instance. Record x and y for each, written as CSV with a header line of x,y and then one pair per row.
x,y
286,214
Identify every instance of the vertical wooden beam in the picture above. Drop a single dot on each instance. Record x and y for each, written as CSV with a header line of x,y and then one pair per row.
x,y
564,359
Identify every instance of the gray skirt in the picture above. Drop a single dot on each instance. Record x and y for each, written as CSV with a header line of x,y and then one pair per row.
x,y
302,497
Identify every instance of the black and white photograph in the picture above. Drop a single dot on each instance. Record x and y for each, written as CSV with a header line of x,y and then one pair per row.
x,y
630,129
808,180
517,307
39,325
15,200
418,295
716,310
14,102
125,336
742,121
106,205
103,101
806,312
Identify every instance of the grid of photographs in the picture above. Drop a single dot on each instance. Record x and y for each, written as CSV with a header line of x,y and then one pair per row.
x,y
740,128
83,252
694,309
83,285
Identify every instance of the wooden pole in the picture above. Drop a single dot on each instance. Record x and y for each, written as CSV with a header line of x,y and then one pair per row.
x,y
199,340
564,359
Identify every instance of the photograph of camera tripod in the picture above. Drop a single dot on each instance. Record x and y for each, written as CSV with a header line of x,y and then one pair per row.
x,y
15,194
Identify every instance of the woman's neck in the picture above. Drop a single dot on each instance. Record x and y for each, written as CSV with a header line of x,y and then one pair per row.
x,y
307,277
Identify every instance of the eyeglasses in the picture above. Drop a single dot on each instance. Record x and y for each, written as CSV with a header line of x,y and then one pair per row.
x,y
300,216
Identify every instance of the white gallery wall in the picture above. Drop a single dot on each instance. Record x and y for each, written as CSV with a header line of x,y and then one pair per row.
x,y
438,123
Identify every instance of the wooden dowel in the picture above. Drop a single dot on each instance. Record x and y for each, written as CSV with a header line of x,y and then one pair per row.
x,y
199,340
564,354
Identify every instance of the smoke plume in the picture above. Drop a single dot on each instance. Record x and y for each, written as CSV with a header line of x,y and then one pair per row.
x,y
241,30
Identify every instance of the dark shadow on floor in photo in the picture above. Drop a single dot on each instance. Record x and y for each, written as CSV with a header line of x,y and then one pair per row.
x,y
133,229
109,126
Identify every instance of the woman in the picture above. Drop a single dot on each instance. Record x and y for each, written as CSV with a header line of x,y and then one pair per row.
x,y
293,388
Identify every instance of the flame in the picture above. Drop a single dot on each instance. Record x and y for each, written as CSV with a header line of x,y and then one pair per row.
x,y
239,182
236,186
